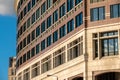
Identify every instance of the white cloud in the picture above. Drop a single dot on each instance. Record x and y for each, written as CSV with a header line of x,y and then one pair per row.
x,y
7,7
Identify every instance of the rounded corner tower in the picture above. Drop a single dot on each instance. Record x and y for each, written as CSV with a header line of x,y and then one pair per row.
x,y
68,39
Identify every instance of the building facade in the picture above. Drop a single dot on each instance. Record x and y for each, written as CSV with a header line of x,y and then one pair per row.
x,y
68,39
12,68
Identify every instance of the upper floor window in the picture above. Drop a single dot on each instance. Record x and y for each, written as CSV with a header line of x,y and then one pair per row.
x,y
70,5
115,11
93,1
97,13
37,13
25,11
48,3
37,31
55,16
29,6
55,36
28,39
33,2
33,18
49,21
70,25
62,10
43,26
43,45
49,40
26,74
77,1
33,35
43,8
33,52
28,55
37,48
79,19
28,22
62,31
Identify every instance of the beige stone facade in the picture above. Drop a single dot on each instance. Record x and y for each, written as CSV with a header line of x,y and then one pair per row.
x,y
89,52
12,68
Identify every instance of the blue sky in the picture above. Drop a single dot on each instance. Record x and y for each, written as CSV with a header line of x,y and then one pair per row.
x,y
7,36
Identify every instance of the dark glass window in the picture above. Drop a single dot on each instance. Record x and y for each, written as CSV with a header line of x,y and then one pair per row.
x,y
55,16
62,31
43,45
70,26
97,13
48,3
49,21
55,36
21,60
70,5
43,26
43,8
28,55
25,11
79,19
37,13
29,6
48,40
24,26
33,18
24,58
24,42
28,39
115,11
77,1
62,10
33,35
28,23
32,51
33,3
54,1
37,48
37,31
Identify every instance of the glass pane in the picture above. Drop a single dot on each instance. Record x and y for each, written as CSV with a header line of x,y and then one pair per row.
x,y
115,11
111,47
101,13
116,46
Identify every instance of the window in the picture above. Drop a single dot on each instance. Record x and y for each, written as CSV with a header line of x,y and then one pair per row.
x,y
24,26
43,8
62,31
59,57
21,60
24,42
43,45
75,48
55,16
79,19
20,76
97,13
32,51
37,31
93,1
37,48
33,18
25,11
48,40
37,13
29,6
49,21
33,35
62,10
115,11
35,69
55,36
70,26
28,39
28,23
28,55
48,3
108,44
77,1
43,26
33,3
46,64
26,74
70,4
24,58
